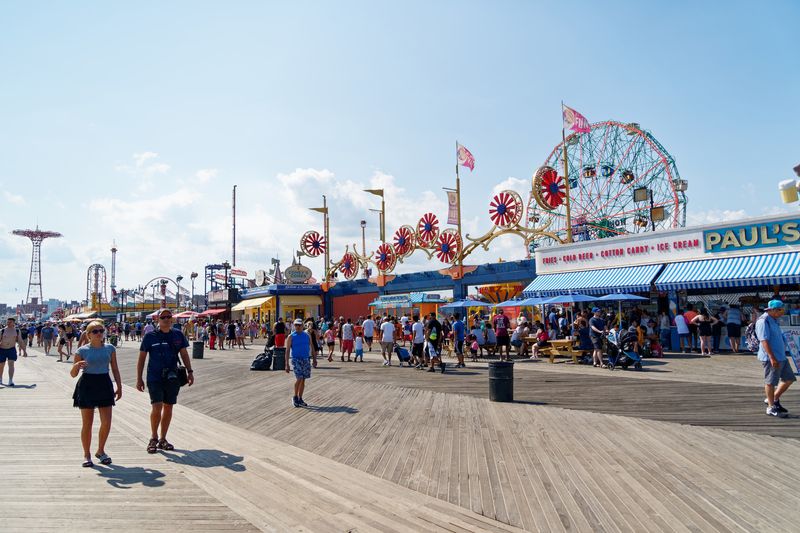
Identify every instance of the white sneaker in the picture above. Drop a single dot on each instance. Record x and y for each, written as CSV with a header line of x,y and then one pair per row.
x,y
10,383
773,411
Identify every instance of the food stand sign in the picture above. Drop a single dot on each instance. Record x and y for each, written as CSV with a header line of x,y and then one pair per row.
x,y
297,274
749,236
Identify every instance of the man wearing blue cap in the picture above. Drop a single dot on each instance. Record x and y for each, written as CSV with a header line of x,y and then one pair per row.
x,y
772,354
597,329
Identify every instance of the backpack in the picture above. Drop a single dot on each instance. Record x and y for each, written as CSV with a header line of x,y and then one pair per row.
x,y
750,337
263,361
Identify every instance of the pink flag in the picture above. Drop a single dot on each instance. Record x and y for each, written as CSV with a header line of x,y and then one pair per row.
x,y
575,121
465,158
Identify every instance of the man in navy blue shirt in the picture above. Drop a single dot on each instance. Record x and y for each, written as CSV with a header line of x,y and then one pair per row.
x,y
163,346
458,337
597,330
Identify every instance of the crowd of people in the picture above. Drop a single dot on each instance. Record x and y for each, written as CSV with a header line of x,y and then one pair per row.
x,y
92,345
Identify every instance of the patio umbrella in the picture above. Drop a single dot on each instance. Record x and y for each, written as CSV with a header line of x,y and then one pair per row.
x,y
619,298
569,298
463,305
187,314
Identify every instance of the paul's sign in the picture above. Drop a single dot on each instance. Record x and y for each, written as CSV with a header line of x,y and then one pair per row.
x,y
759,235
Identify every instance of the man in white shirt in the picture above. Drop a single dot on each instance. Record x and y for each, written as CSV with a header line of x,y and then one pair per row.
x,y
369,331
418,343
387,340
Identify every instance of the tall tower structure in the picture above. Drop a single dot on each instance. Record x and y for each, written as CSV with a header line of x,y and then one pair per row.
x,y
35,280
113,270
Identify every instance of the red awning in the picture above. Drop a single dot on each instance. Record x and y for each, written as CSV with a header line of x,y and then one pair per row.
x,y
212,312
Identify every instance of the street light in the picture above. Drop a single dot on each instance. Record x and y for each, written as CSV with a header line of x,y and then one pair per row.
x,y
379,192
364,244
227,267
178,296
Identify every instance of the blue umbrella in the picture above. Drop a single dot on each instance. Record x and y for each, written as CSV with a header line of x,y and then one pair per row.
x,y
569,298
461,305
619,298
512,303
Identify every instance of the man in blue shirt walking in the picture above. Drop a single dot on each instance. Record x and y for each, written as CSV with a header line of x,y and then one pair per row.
x,y
772,354
303,354
458,337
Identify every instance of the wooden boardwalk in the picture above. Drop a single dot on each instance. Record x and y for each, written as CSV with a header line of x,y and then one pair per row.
x,y
383,442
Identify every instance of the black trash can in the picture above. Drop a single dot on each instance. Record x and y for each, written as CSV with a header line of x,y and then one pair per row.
x,y
501,381
197,349
279,358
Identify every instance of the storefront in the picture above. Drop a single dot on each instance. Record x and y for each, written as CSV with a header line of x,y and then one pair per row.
x,y
414,304
744,263
259,309
288,301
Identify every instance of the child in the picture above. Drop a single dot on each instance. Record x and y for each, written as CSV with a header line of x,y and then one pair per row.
x,y
330,340
359,347
473,348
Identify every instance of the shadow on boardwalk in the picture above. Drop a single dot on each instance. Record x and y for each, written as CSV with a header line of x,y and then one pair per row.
x,y
206,459
123,477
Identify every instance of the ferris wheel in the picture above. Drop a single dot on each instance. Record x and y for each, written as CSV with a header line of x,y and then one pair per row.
x,y
621,180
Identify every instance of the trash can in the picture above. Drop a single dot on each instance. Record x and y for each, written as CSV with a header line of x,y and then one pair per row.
x,y
197,349
501,381
278,358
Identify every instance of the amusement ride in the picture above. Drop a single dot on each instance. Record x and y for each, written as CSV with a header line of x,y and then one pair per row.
x,y
604,179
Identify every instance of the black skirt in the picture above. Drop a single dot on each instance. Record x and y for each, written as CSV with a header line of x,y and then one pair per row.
x,y
93,390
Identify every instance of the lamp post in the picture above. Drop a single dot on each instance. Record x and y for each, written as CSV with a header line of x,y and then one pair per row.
x,y
179,278
379,192
326,235
193,276
364,245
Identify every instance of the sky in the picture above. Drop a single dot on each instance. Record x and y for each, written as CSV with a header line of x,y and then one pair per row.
x,y
132,122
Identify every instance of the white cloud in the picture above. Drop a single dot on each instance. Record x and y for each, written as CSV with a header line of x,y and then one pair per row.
x,y
204,175
523,187
711,216
143,157
15,199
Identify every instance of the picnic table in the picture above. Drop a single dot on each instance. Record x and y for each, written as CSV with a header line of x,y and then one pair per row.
x,y
557,348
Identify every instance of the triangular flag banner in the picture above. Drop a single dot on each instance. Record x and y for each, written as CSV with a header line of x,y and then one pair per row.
x,y
575,121
465,158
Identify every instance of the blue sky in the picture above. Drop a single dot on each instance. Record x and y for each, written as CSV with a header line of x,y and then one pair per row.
x,y
132,122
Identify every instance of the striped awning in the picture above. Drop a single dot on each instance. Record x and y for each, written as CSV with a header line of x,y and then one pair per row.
x,y
749,271
626,279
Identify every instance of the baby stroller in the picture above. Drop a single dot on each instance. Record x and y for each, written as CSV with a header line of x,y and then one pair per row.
x,y
620,351
403,355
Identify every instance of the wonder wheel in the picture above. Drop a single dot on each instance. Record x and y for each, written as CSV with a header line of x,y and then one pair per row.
x,y
427,230
385,258
312,243
448,246
349,266
404,241
621,180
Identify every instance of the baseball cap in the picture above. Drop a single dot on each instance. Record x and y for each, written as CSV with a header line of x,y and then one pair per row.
x,y
298,322
595,309
522,319
164,310
775,304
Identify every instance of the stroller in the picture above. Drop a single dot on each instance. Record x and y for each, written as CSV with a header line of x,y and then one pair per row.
x,y
403,355
620,351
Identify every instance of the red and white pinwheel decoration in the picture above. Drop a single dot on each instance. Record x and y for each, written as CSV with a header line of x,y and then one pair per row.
x,y
404,241
427,230
505,209
549,188
385,258
349,266
312,243
448,246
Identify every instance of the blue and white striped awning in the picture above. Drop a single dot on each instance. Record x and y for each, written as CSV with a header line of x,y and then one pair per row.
x,y
749,271
626,279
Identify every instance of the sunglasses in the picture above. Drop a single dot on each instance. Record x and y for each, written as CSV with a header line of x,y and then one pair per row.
x,y
96,331
167,317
